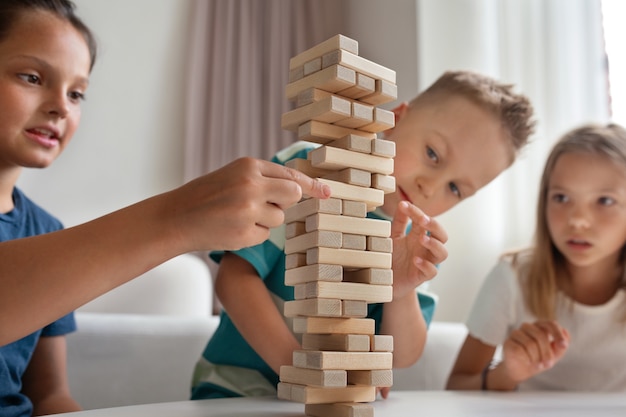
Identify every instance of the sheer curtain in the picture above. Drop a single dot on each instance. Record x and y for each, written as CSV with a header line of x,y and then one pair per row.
x,y
553,51
239,57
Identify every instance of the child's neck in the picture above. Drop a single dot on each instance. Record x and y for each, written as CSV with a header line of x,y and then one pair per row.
x,y
7,183
594,285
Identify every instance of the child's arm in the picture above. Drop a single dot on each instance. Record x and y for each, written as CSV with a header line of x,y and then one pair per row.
x,y
45,380
249,305
472,359
415,259
230,208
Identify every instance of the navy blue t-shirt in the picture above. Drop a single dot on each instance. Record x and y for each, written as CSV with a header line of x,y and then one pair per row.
x,y
26,219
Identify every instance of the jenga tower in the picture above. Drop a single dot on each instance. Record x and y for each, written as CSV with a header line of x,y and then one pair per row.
x,y
339,260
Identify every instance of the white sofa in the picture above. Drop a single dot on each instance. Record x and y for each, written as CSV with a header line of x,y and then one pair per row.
x,y
143,350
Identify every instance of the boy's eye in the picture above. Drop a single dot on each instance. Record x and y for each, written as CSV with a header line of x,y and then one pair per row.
x,y
455,190
432,155
606,201
76,96
30,78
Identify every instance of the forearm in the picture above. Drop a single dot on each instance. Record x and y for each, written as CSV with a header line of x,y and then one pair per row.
x,y
492,379
403,319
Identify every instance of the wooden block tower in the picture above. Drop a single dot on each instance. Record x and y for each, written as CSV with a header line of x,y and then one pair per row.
x,y
337,259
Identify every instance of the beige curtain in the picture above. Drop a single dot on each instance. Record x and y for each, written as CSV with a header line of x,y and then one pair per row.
x,y
239,66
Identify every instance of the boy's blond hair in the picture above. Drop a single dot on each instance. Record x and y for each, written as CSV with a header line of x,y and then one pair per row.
x,y
513,110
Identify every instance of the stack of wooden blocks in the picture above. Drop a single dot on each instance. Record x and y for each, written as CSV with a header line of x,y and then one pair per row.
x,y
337,259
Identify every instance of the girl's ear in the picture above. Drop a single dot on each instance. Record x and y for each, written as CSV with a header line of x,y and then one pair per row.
x,y
399,112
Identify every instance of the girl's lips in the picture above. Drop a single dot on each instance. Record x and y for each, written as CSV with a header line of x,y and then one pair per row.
x,y
578,244
44,138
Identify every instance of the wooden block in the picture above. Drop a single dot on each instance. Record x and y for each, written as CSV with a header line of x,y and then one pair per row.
x,y
305,208
313,307
312,66
348,258
318,238
382,147
371,196
344,291
381,343
312,359
314,377
327,157
385,183
319,395
364,86
319,132
298,73
352,176
373,276
353,143
294,229
354,208
339,410
347,224
379,244
336,342
328,325
330,109
331,79
377,378
361,115
354,308
334,43
311,95
317,272
355,242
383,120
358,64
296,260
385,92
304,166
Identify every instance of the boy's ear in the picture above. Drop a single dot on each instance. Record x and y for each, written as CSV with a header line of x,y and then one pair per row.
x,y
399,112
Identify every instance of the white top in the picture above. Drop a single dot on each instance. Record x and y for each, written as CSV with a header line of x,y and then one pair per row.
x,y
596,357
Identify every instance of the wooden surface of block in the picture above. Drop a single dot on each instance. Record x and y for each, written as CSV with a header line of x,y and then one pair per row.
x,y
329,110
385,183
304,166
364,86
348,258
305,208
355,242
311,95
320,132
385,92
374,276
353,143
349,361
382,147
370,196
354,308
353,208
298,72
314,377
348,224
296,260
358,64
313,307
331,44
383,120
361,115
336,342
318,238
379,244
327,157
294,229
319,395
331,79
351,176
326,325
376,378
317,272
381,343
312,66
339,410
344,291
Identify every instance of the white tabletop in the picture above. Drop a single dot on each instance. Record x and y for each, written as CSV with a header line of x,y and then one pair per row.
x,y
399,403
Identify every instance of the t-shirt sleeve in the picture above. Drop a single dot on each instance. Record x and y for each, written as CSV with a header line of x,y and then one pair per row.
x,y
64,325
494,307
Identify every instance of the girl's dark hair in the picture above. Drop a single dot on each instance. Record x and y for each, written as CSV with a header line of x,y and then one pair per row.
x,y
10,10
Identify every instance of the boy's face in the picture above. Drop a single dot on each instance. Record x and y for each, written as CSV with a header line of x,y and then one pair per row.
x,y
44,70
445,152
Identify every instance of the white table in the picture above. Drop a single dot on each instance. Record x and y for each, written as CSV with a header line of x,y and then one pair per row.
x,y
399,403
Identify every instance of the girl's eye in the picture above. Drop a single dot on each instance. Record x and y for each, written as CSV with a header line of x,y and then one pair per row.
x,y
455,190
30,78
606,201
559,198
432,155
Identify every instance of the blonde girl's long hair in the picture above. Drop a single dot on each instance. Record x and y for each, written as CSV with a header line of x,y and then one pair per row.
x,y
543,272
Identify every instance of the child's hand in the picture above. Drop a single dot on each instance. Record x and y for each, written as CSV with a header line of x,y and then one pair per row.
x,y
416,254
534,348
